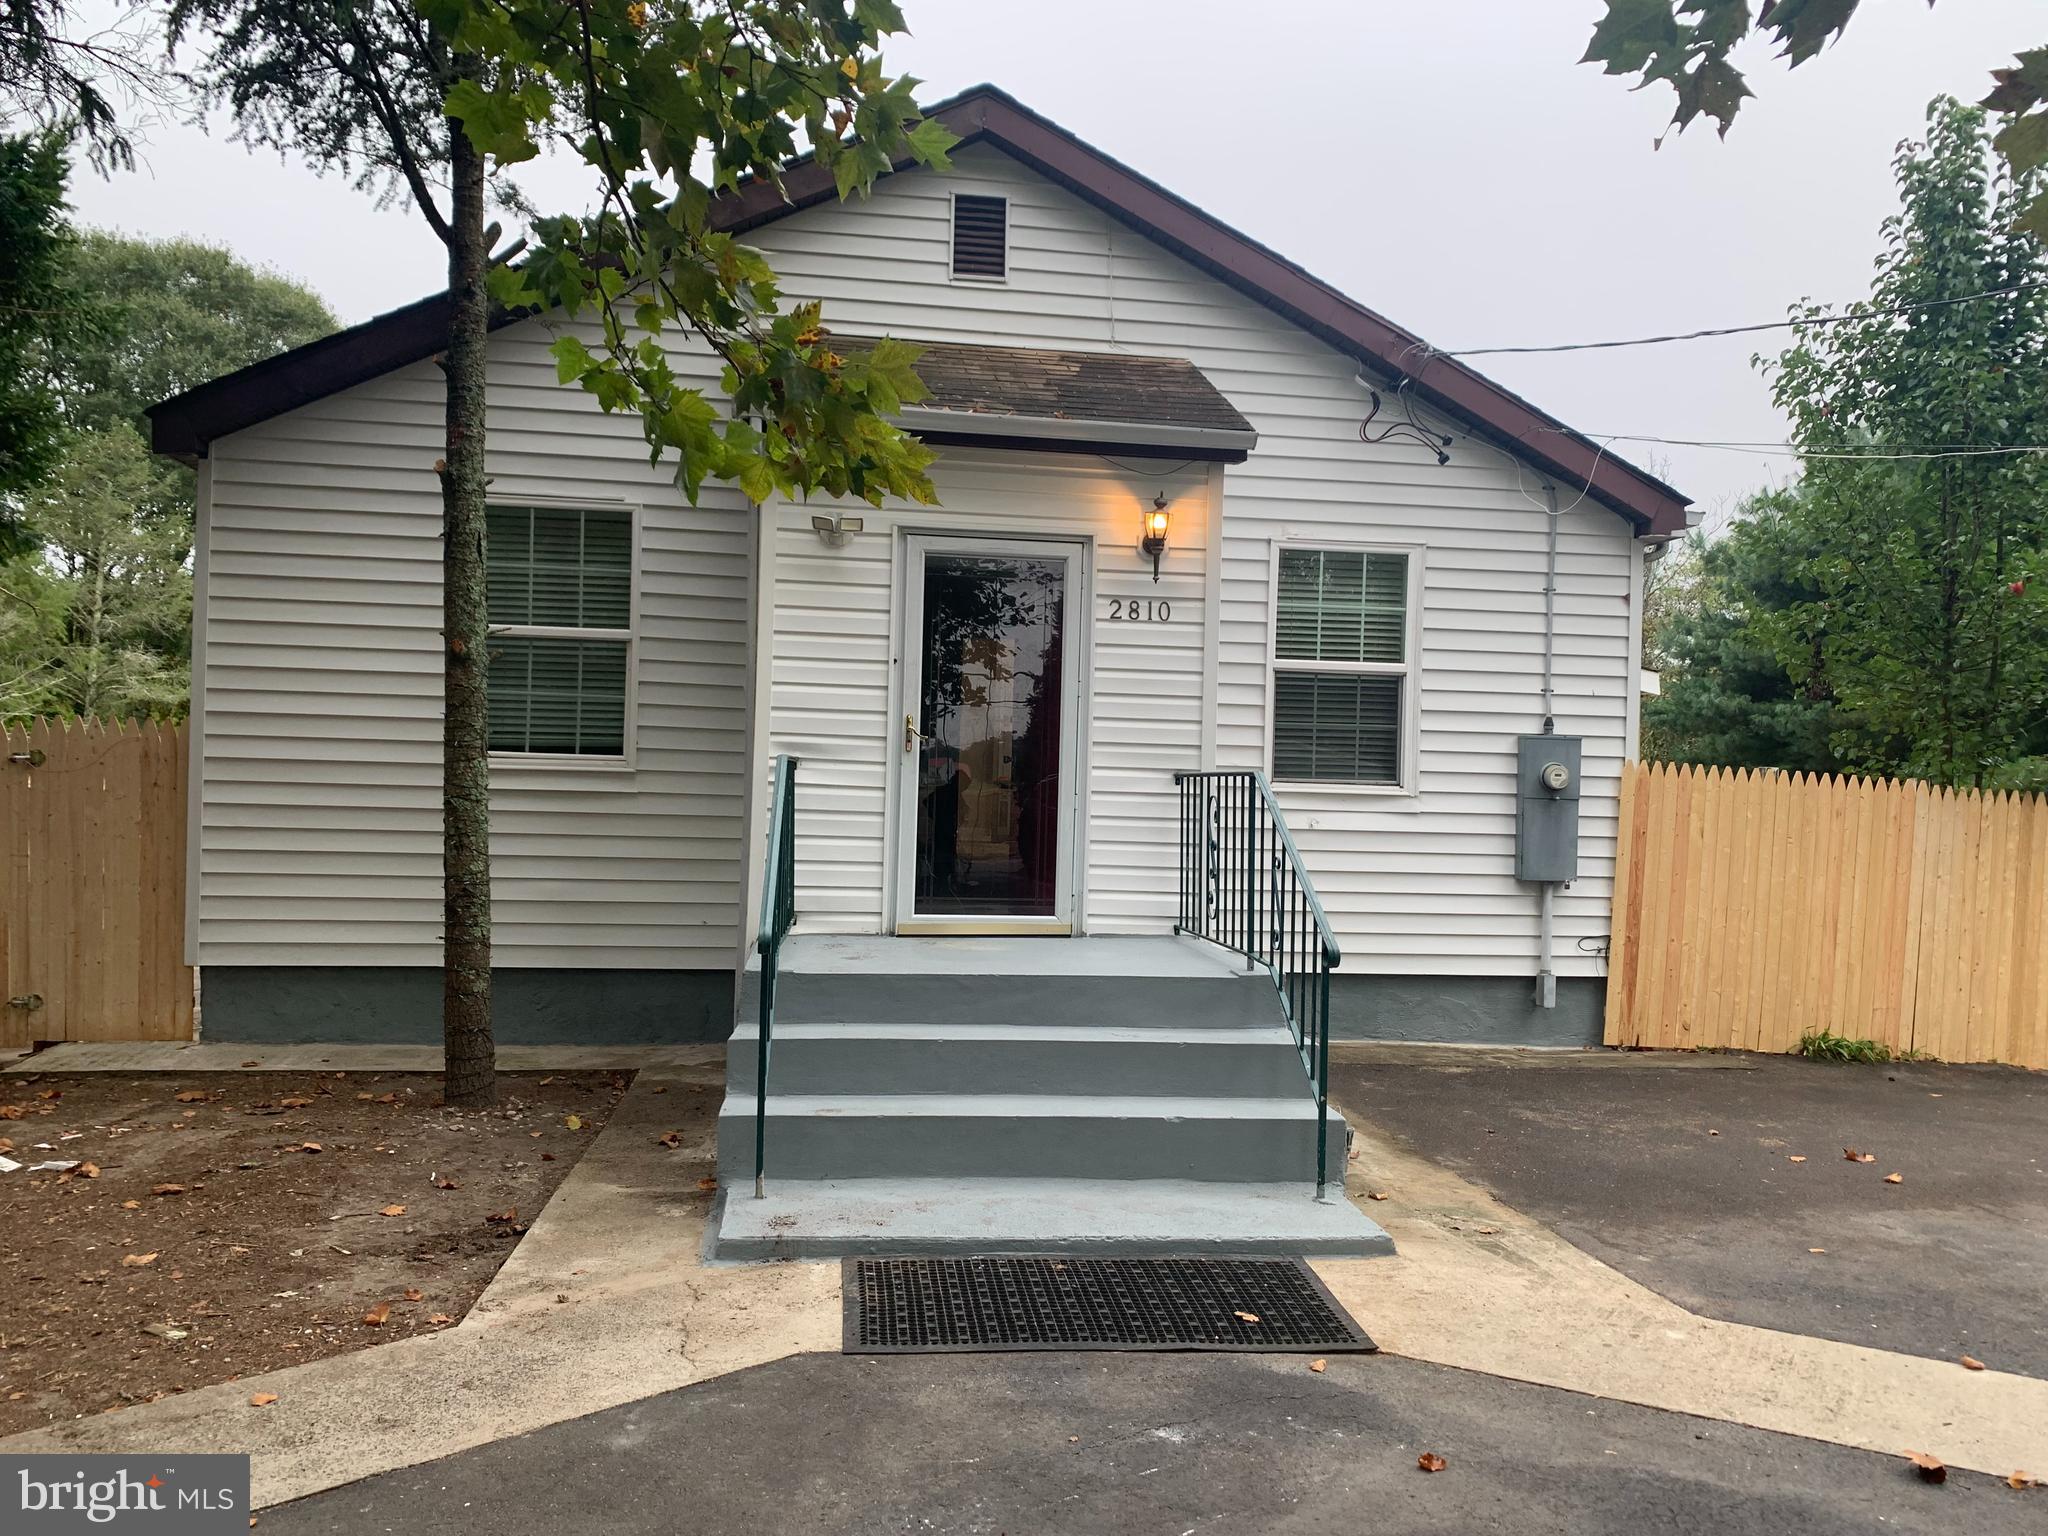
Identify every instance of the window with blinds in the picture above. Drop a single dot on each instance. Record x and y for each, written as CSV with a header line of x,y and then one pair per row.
x,y
561,615
1341,666
981,236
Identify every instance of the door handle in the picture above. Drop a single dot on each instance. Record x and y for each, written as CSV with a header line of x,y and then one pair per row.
x,y
911,734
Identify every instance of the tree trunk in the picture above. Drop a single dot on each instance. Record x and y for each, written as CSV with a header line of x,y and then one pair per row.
x,y
471,1057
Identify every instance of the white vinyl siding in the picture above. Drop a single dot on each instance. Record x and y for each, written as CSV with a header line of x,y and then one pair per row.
x,y
1420,882
318,838
318,835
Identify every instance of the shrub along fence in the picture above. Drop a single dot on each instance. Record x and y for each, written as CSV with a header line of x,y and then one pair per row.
x,y
1751,908
92,892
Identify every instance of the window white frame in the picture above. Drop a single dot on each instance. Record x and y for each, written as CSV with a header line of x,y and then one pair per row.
x,y
953,197
584,762
1409,668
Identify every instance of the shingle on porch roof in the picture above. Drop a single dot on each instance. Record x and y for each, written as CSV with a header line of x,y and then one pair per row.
x,y
1110,387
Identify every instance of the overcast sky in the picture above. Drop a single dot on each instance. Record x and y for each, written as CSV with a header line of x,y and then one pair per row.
x,y
1447,163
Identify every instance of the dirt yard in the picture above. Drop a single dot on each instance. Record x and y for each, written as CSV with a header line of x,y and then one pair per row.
x,y
220,1225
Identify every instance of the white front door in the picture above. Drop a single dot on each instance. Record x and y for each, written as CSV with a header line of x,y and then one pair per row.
x,y
989,742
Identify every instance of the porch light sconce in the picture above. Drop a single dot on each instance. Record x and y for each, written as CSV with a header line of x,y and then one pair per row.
x,y
1153,541
838,531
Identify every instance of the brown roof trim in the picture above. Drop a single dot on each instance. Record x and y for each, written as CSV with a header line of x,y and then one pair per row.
x,y
184,425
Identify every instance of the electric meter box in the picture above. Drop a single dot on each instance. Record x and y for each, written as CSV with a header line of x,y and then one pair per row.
x,y
1547,809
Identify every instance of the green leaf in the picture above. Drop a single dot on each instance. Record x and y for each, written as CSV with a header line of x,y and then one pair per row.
x,y
497,124
2024,141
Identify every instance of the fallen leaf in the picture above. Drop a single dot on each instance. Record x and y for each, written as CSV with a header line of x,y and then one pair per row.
x,y
414,1293
507,1216
1379,1194
444,1183
262,1399
87,1170
1249,1317
294,1103
1858,1157
252,1063
194,1096
1816,1250
1928,1467
1713,1133
547,1157
2019,1481
707,1184
439,1320
573,1122
1319,1366
669,1139
51,1094
1972,1363
137,1260
1795,1158
663,1089
131,1205
1073,1439
1429,1461
167,1189
309,1146
1895,1178
164,1331
376,1316
393,1210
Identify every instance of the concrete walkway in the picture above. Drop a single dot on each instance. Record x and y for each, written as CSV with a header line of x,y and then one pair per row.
x,y
1477,1284
227,1056
608,1301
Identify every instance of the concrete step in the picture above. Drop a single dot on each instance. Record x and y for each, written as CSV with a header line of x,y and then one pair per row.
x,y
805,1219
1221,1001
1047,1136
1165,1060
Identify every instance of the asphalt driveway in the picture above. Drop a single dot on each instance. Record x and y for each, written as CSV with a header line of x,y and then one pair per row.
x,y
1043,1445
1680,1172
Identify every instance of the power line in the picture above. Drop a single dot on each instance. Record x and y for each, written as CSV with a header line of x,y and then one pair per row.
x,y
1917,453
1735,330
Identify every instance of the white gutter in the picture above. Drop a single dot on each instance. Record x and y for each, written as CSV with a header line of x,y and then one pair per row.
x,y
924,418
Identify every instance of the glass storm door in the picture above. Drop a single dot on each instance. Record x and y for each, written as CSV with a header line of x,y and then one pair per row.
x,y
988,741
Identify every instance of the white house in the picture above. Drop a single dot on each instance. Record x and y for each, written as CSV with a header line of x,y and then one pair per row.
x,y
988,700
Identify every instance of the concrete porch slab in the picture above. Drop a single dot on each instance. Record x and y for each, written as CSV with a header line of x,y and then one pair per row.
x,y
1116,956
801,1219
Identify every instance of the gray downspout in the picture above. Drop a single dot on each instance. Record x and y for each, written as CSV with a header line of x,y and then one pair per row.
x,y
1546,938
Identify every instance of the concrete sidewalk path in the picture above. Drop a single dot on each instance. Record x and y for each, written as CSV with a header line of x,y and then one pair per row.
x,y
227,1056
1478,1285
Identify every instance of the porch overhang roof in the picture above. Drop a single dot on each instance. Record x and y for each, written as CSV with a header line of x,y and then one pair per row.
x,y
1072,402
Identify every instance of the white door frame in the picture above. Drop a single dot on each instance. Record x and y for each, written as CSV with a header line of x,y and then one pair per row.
x,y
1075,630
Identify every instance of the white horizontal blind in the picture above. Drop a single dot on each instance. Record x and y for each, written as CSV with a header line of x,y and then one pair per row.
x,y
1345,612
561,608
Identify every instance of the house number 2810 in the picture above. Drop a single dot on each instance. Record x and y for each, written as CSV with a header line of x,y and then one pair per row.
x,y
1134,610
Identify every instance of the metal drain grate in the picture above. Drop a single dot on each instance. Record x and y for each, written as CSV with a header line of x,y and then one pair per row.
x,y
916,1306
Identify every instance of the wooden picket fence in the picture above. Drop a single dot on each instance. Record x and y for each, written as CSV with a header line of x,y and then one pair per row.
x,y
92,894
1753,907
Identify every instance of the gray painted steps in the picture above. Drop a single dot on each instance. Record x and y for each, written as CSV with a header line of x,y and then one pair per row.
x,y
803,1219
1050,1136
1256,1061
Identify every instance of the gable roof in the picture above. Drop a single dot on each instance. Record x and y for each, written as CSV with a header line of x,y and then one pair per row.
x,y
184,425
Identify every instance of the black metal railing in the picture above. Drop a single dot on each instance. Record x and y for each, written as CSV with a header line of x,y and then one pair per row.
x,y
1243,886
778,913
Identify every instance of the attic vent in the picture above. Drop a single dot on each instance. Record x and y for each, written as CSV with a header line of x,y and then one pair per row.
x,y
980,236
